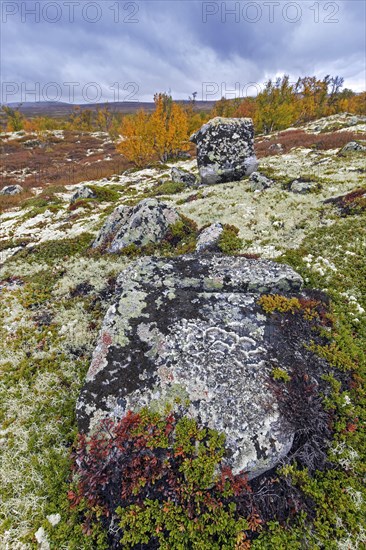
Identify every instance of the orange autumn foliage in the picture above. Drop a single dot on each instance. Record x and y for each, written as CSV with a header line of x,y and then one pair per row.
x,y
159,136
137,145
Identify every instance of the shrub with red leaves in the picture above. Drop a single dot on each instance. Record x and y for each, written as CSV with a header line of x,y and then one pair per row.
x,y
144,456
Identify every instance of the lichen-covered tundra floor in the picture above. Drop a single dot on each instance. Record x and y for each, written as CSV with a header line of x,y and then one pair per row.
x,y
54,293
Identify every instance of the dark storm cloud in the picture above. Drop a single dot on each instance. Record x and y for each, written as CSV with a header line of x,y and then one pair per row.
x,y
132,49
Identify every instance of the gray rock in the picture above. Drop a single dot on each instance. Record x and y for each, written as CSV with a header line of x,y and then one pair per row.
x,y
114,222
353,147
181,176
225,150
276,148
190,329
32,143
208,238
302,186
147,222
11,190
82,193
184,155
259,182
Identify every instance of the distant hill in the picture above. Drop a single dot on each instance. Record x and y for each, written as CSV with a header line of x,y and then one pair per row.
x,y
58,109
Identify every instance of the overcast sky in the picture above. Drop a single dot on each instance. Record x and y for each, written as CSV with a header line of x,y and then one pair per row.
x,y
86,51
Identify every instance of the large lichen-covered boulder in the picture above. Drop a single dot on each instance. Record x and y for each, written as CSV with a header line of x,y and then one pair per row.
x,y
190,330
147,222
225,149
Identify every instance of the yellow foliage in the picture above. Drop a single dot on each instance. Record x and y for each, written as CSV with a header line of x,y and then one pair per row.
x,y
137,145
275,302
14,119
160,135
283,104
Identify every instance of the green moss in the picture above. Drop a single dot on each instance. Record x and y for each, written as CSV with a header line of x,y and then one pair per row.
x,y
280,374
173,527
13,243
53,250
168,188
229,242
42,201
105,193
39,205
87,204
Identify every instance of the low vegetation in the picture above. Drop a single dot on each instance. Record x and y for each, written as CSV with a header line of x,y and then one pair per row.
x,y
168,491
54,295
229,241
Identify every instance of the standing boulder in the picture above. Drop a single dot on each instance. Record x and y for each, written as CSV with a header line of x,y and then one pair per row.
x,y
190,330
225,150
146,223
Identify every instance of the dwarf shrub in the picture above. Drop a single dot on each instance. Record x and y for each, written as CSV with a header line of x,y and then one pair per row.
x,y
229,242
162,480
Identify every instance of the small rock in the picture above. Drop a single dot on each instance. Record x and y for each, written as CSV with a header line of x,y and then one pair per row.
x,y
302,187
208,238
11,190
259,182
181,176
225,150
82,193
353,147
276,148
32,143
147,222
116,220
184,155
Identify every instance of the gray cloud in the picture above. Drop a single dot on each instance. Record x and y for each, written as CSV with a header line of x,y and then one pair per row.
x,y
176,45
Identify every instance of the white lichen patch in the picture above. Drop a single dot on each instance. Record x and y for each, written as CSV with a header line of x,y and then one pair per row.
x,y
337,122
40,374
47,339
75,325
49,226
295,214
81,270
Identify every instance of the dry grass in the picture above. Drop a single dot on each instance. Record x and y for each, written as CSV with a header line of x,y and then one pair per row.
x,y
299,138
76,158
